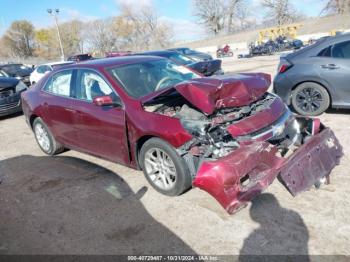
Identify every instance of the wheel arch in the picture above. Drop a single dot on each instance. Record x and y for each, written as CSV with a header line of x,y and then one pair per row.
x,y
31,120
138,145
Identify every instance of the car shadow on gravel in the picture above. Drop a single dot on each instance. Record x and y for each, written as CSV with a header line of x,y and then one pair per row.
x,y
65,205
281,232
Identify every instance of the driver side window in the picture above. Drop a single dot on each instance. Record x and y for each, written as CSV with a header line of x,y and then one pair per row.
x,y
91,85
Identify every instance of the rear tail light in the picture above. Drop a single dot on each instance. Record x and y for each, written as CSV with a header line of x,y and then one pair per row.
x,y
284,66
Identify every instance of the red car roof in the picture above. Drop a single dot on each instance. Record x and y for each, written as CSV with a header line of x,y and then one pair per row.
x,y
108,62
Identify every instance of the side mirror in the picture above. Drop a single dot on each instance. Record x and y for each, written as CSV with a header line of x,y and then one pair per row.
x,y
107,101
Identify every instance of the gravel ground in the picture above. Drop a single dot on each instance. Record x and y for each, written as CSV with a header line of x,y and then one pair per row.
x,y
77,204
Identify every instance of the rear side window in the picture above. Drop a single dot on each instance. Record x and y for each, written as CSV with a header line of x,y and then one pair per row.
x,y
341,50
59,84
325,52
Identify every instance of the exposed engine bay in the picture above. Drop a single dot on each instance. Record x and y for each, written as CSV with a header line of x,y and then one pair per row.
x,y
211,138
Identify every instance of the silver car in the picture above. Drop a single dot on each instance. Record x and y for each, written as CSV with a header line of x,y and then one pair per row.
x,y
316,77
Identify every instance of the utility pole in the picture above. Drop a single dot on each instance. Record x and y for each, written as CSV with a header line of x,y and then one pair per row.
x,y
54,14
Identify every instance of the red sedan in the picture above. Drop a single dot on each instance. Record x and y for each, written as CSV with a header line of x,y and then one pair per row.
x,y
226,134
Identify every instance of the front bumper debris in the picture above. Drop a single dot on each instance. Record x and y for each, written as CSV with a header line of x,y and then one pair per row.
x,y
237,178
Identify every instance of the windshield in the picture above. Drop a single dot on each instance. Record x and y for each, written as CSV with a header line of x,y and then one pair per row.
x,y
3,74
143,78
181,59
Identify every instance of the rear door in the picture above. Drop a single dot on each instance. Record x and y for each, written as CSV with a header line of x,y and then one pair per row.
x,y
59,112
101,130
335,69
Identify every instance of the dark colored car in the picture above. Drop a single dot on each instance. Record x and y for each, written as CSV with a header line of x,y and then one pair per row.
x,y
195,55
10,94
223,134
316,77
118,53
18,71
207,68
296,44
80,57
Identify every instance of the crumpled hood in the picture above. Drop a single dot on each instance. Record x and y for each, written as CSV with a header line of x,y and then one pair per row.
x,y
209,94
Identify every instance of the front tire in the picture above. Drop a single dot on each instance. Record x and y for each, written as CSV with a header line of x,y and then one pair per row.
x,y
310,99
45,139
163,168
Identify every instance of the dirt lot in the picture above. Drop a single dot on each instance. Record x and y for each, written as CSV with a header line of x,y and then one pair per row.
x,y
74,204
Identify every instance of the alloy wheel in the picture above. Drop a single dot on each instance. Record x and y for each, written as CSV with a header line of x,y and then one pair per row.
x,y
160,168
309,99
42,136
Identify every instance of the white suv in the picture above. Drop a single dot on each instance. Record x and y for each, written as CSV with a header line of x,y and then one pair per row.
x,y
41,70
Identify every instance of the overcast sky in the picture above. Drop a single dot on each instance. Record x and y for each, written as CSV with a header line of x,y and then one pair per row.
x,y
177,12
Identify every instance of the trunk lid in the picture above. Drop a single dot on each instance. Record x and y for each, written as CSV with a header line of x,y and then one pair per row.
x,y
208,67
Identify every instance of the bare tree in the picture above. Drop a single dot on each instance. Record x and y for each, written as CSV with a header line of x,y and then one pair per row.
x,y
211,13
219,15
101,36
231,9
337,7
145,30
280,12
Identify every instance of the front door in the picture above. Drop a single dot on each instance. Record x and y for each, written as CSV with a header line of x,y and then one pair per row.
x,y
101,130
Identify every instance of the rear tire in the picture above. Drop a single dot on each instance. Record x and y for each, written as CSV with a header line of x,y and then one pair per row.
x,y
45,139
163,168
310,99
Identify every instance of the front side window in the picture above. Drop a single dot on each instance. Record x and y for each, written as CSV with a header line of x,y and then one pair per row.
x,y
59,83
143,78
91,85
341,50
43,69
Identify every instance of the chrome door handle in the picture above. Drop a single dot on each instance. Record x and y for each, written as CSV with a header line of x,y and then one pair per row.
x,y
330,66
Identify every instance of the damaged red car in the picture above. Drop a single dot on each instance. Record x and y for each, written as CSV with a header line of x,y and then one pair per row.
x,y
225,134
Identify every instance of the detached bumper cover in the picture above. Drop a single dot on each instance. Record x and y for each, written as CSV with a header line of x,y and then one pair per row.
x,y
237,178
313,161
